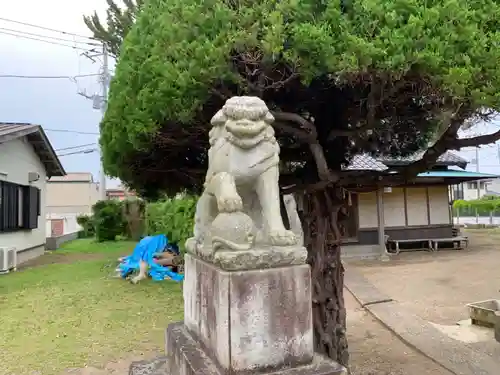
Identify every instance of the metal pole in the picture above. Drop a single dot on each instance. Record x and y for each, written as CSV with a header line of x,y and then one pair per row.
x,y
104,86
381,224
477,183
477,170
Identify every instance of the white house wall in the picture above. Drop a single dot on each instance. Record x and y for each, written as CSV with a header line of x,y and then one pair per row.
x,y
70,223
439,205
416,200
394,208
424,206
17,159
367,210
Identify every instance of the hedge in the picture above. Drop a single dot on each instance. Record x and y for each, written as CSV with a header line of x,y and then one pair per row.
x,y
483,206
173,217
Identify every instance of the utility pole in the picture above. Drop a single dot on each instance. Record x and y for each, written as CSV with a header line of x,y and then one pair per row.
x,y
104,102
100,102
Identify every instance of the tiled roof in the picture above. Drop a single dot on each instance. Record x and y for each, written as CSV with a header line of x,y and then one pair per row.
x,y
38,140
365,162
13,128
447,158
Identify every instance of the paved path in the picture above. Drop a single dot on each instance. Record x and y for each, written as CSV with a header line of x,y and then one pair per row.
x,y
421,297
375,350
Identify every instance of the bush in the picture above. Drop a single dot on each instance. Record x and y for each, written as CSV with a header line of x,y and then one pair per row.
x,y
172,217
108,220
483,207
87,224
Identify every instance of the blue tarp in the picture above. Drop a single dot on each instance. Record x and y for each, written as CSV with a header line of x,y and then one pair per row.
x,y
145,250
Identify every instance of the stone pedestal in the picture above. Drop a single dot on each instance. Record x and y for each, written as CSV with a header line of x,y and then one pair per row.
x,y
245,322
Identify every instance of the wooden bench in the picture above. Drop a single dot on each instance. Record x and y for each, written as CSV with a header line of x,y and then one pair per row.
x,y
459,242
417,240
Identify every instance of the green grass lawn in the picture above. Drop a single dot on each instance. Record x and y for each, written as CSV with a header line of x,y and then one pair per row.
x,y
67,310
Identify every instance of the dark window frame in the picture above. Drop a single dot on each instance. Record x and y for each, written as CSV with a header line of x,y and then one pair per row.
x,y
20,206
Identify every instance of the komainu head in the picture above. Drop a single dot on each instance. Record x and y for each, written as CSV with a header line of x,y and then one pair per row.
x,y
243,117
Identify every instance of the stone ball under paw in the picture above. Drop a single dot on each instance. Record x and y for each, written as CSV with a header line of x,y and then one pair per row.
x,y
234,227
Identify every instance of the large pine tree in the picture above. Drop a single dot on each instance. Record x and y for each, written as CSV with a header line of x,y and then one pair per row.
x,y
385,77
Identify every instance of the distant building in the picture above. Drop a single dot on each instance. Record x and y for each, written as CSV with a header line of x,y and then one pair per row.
x,y
119,193
469,190
67,198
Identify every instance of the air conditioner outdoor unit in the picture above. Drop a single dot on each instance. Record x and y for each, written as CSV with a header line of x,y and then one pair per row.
x,y
8,259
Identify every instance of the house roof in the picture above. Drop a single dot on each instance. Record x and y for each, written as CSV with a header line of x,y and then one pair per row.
x,y
73,177
368,163
446,159
38,140
365,162
453,176
453,173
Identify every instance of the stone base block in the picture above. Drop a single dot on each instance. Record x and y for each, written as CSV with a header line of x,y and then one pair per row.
x,y
249,320
186,356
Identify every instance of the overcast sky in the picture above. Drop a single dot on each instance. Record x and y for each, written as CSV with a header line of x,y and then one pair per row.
x,y
55,103
52,103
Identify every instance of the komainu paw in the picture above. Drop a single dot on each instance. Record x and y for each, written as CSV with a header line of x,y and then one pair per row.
x,y
229,203
282,238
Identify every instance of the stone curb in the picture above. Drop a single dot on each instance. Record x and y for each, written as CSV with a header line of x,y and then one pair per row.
x,y
453,355
365,292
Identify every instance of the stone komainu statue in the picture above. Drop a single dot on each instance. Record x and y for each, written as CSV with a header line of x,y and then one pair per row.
x,y
240,205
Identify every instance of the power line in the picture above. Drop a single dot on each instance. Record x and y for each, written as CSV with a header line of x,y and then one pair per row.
x,y
48,37
46,28
89,151
73,147
69,131
41,40
48,77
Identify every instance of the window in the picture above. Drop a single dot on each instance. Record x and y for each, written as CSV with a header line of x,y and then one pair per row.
x,y
471,185
19,207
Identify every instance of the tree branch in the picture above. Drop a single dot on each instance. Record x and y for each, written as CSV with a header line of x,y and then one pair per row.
x,y
334,133
279,84
311,136
476,141
445,142
300,134
298,119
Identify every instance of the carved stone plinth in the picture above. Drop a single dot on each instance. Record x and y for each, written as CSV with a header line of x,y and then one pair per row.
x,y
245,322
257,258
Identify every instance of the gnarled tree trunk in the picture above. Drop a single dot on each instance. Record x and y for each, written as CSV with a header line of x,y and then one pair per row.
x,y
320,213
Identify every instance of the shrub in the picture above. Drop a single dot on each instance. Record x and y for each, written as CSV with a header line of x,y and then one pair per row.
x,y
483,207
87,224
108,220
173,217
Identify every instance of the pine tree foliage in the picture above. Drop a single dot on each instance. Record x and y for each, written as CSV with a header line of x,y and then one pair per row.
x,y
372,76
119,21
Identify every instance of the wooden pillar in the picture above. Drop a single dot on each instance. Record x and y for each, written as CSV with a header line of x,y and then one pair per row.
x,y
381,223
